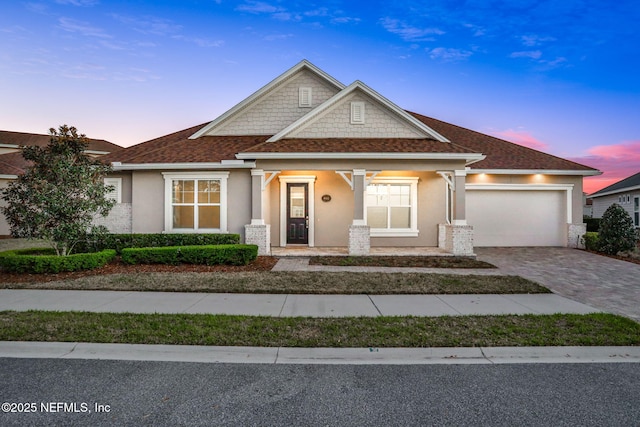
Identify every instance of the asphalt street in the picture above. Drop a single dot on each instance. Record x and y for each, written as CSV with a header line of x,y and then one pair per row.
x,y
104,393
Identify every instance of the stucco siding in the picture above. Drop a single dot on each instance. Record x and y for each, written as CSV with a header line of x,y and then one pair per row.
x,y
238,201
147,206
4,225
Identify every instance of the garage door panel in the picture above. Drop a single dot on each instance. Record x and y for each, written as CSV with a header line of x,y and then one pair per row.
x,y
517,218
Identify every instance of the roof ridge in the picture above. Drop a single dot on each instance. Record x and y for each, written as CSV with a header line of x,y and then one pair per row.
x,y
619,184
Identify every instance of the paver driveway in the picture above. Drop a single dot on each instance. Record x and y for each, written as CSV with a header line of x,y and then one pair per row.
x,y
599,281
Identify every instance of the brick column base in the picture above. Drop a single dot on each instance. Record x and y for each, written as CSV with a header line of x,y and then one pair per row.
x,y
359,240
259,235
574,235
457,239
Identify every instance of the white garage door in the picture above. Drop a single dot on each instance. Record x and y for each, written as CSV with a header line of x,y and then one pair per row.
x,y
517,218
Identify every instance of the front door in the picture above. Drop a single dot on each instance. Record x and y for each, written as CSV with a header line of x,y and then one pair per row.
x,y
297,213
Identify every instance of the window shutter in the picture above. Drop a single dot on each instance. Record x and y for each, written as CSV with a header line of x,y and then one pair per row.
x,y
357,113
116,193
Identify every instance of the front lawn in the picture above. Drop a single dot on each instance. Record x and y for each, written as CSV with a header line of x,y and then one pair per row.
x,y
290,282
597,329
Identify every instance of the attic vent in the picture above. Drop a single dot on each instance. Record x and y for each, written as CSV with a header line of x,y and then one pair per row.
x,y
304,97
357,113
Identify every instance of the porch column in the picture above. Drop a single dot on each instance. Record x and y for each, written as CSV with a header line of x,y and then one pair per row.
x,y
258,233
457,237
359,233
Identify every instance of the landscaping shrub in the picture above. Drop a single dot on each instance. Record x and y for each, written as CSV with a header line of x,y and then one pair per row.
x,y
209,255
617,232
593,224
121,241
590,241
46,261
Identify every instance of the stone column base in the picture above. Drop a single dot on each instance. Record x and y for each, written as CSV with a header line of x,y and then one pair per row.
x,y
359,240
259,235
574,235
457,239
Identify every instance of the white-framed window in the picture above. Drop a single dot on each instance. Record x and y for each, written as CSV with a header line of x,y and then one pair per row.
x,y
305,97
636,211
357,113
116,191
391,207
196,202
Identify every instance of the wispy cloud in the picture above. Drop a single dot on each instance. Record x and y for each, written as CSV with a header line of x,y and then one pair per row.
x,y
616,161
81,3
532,40
409,32
149,24
522,137
199,41
532,54
449,54
81,27
274,37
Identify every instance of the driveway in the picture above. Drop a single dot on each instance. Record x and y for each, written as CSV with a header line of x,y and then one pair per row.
x,y
601,282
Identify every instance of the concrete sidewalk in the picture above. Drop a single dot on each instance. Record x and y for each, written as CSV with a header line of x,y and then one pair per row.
x,y
287,305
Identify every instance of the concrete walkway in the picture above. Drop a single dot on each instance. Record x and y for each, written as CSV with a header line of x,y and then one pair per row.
x,y
284,305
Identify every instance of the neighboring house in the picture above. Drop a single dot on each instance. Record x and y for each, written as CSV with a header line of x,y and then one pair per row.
x,y
308,161
587,206
13,164
626,193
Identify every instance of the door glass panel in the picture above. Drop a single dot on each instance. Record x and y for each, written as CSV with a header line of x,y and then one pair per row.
x,y
296,202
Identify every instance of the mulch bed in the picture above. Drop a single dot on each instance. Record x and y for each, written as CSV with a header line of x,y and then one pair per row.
x,y
621,258
263,263
401,261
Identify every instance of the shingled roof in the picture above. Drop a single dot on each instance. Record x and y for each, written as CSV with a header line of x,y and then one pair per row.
x,y
30,139
14,164
623,185
500,154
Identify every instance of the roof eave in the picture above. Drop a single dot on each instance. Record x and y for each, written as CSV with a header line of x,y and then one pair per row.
x,y
467,157
117,166
620,190
535,171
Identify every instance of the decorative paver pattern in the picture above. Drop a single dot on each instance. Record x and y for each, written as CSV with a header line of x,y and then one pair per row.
x,y
599,281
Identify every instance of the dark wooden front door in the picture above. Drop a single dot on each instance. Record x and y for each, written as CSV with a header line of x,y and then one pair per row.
x,y
298,213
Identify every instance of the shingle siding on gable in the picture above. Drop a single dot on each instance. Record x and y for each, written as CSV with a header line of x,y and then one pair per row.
x,y
336,123
278,109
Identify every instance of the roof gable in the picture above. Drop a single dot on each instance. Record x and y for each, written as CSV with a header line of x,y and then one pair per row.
x,y
627,184
380,118
275,105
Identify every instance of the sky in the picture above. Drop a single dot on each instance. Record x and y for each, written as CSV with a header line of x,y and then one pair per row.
x,y
560,76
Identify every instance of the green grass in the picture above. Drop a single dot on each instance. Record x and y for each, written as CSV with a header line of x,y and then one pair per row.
x,y
298,282
401,261
597,329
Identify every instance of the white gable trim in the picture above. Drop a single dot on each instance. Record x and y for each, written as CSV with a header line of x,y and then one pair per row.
x,y
357,85
117,166
304,64
468,157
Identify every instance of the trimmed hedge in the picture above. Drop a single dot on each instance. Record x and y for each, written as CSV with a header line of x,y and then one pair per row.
x,y
593,224
121,241
46,261
209,255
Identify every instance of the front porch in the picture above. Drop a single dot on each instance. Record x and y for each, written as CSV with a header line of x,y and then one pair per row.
x,y
306,251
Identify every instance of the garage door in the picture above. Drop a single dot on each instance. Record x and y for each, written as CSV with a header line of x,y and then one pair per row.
x,y
517,218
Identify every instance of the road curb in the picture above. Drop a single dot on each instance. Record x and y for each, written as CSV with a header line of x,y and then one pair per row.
x,y
330,356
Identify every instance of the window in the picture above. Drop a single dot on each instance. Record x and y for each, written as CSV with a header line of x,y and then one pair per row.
x,y
305,97
116,192
391,207
196,202
636,211
357,113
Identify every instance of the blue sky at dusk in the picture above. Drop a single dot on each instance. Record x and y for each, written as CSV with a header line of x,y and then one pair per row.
x,y
560,76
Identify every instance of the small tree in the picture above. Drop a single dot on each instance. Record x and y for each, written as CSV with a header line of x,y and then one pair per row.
x,y
617,232
59,195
